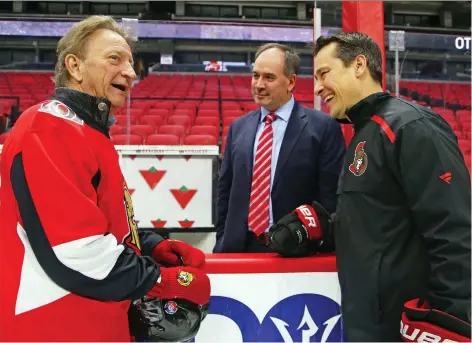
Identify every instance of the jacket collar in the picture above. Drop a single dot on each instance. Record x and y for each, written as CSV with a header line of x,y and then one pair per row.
x,y
92,110
364,109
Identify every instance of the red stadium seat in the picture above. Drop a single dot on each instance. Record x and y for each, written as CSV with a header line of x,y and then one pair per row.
x,y
468,161
453,124
209,105
448,117
464,115
143,130
225,131
442,111
167,105
208,113
141,104
231,113
190,112
466,129
134,112
250,107
214,121
186,105
200,140
123,120
230,105
117,129
184,121
176,130
153,120
228,120
127,139
162,139
464,145
164,113
204,130
460,134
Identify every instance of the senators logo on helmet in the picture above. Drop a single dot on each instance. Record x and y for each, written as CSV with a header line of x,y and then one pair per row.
x,y
185,278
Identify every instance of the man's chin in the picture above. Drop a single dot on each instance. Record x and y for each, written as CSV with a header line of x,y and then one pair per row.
x,y
117,102
261,101
335,114
338,115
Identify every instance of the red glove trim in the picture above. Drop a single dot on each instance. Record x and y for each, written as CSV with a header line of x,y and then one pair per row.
x,y
421,324
310,221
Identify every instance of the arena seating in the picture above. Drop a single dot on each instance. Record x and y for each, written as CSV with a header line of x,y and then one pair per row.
x,y
198,109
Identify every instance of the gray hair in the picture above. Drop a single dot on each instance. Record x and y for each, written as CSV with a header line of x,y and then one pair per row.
x,y
291,58
74,42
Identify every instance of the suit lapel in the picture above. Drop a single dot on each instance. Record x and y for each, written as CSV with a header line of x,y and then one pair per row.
x,y
296,125
249,140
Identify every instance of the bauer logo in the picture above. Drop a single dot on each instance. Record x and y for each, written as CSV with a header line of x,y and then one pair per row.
x,y
297,318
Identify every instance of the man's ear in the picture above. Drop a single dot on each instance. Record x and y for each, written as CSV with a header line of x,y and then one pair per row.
x,y
292,79
75,67
360,65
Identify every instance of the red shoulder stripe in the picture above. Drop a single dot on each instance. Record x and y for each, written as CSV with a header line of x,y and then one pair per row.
x,y
384,126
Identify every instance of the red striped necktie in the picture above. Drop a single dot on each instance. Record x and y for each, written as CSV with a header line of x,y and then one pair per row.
x,y
258,219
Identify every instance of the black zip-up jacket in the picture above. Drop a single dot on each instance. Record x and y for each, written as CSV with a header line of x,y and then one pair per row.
x,y
403,221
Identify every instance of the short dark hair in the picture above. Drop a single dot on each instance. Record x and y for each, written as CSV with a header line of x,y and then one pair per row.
x,y
291,58
352,44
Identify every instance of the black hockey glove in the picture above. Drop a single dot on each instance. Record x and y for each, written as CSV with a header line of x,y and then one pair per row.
x,y
301,232
420,323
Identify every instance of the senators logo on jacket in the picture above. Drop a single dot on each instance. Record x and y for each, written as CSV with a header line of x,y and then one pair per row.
x,y
359,165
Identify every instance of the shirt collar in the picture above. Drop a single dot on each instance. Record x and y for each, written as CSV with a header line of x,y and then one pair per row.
x,y
93,110
283,112
366,108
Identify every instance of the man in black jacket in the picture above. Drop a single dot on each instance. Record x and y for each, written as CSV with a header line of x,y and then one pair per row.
x,y
402,225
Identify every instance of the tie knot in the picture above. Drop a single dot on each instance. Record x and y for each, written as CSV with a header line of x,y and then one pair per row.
x,y
270,118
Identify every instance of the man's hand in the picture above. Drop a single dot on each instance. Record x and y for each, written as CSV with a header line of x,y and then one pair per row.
x,y
300,232
171,252
182,283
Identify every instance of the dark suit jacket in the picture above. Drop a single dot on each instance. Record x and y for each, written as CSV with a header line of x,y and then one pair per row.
x,y
308,168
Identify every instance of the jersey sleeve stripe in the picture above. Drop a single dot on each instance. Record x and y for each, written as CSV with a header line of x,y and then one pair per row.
x,y
113,273
93,256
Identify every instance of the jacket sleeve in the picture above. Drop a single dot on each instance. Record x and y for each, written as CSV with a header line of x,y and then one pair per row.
x,y
225,178
331,158
437,186
149,239
61,224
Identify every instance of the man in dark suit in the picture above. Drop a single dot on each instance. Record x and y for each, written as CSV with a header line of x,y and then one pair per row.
x,y
277,158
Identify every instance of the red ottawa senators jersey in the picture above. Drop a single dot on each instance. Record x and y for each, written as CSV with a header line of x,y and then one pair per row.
x,y
71,257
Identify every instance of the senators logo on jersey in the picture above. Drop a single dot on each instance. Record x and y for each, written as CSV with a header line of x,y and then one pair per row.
x,y
132,239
